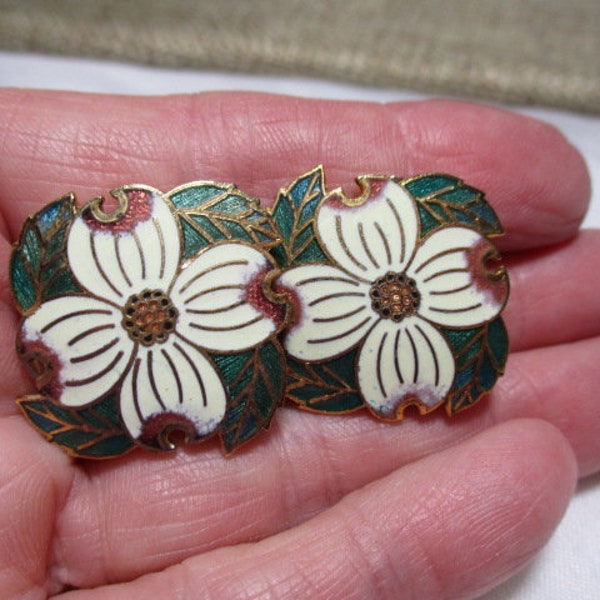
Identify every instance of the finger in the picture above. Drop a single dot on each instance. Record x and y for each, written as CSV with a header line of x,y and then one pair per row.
x,y
555,294
196,501
59,142
450,526
34,481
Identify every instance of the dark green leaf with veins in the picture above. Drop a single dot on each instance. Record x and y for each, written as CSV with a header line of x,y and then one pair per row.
x,y
39,268
293,214
212,212
255,382
328,387
92,432
446,200
481,355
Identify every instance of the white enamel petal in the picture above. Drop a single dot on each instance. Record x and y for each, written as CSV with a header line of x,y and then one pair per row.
x,y
174,382
333,311
405,363
373,238
220,300
91,349
455,290
114,263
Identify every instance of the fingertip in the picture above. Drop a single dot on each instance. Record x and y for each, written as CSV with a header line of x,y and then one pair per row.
x,y
479,511
534,177
524,476
35,479
542,445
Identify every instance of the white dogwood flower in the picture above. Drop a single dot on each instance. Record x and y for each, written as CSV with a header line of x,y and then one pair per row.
x,y
145,322
389,292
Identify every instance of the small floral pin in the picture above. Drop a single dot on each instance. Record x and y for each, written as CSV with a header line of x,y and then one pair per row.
x,y
195,313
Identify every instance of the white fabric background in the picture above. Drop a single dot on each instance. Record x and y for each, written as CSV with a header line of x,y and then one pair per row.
x,y
569,566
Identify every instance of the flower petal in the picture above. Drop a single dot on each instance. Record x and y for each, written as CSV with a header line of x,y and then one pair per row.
x,y
402,364
456,290
220,300
171,386
82,345
372,238
139,251
333,311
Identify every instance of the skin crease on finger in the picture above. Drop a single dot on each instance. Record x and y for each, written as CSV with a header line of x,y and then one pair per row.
x,y
48,148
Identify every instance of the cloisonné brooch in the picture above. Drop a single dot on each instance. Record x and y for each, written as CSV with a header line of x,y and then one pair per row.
x,y
196,312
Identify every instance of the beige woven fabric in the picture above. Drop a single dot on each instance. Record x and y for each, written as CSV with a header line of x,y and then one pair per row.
x,y
527,51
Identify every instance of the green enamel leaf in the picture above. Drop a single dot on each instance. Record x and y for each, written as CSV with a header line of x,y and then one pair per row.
x,y
446,200
284,215
92,432
197,195
327,387
481,355
39,268
22,280
293,216
255,382
211,213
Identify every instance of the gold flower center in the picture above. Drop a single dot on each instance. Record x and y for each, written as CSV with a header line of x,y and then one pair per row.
x,y
395,296
149,317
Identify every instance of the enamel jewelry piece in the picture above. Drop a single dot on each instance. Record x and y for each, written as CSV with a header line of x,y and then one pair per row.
x,y
195,313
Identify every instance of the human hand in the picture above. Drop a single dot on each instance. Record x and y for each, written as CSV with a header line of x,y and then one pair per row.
x,y
322,506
